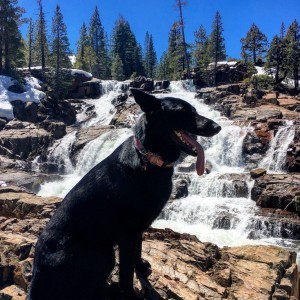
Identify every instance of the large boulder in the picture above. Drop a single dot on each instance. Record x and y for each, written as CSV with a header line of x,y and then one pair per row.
x,y
146,84
182,266
276,191
24,143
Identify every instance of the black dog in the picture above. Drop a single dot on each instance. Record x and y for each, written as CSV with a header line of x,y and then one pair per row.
x,y
114,203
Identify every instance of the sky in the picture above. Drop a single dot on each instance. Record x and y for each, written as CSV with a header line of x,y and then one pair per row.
x,y
157,17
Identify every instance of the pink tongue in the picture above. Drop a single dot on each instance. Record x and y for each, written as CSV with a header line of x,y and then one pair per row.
x,y
200,153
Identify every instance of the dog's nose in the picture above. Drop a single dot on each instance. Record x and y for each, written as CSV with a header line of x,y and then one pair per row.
x,y
217,128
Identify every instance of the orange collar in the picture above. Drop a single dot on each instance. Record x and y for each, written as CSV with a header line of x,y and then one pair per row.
x,y
150,157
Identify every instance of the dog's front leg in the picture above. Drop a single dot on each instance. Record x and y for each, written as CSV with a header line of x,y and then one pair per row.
x,y
142,266
128,250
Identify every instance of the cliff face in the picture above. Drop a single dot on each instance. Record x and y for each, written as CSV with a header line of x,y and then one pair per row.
x,y
182,266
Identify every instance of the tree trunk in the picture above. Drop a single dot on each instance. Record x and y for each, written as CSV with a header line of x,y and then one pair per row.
x,y
184,43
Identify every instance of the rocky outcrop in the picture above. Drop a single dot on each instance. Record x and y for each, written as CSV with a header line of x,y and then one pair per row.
x,y
24,143
125,115
23,140
182,266
146,84
86,89
276,191
88,134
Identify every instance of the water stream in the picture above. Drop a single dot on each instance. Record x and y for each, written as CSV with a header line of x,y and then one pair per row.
x,y
218,208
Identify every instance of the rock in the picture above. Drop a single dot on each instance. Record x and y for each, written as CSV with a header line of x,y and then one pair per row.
x,y
58,129
141,82
25,111
289,103
88,134
22,179
12,292
3,122
19,204
63,111
293,153
119,100
271,98
125,115
87,89
162,85
180,187
24,143
277,223
276,191
256,173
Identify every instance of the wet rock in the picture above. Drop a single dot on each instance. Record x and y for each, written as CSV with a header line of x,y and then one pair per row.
x,y
180,187
223,221
17,203
146,84
119,100
271,98
256,173
87,134
162,85
24,143
125,115
25,111
276,191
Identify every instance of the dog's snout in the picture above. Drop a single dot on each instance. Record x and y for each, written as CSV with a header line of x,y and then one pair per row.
x,y
217,128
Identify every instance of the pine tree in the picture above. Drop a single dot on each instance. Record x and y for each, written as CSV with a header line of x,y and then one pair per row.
x,y
201,54
162,71
180,4
277,58
30,43
40,47
107,58
97,41
124,45
282,31
175,53
83,50
59,54
254,45
11,44
216,47
293,51
117,69
150,58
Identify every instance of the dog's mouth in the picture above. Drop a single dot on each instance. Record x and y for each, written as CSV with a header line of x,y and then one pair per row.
x,y
190,146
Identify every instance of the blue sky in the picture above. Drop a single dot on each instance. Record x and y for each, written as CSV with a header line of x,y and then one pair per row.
x,y
157,17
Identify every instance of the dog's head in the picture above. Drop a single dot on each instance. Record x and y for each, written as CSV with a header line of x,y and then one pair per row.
x,y
177,120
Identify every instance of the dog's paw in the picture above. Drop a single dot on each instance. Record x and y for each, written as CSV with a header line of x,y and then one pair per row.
x,y
143,268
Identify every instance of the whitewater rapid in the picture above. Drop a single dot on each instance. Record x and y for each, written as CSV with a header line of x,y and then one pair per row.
x,y
212,211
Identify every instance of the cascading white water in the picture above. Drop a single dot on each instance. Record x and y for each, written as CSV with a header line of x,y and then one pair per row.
x,y
218,208
59,153
274,160
89,156
103,106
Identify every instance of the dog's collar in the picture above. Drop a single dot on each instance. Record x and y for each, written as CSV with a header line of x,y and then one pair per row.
x,y
150,157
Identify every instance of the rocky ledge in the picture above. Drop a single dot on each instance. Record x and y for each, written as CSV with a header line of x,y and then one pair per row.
x,y
182,266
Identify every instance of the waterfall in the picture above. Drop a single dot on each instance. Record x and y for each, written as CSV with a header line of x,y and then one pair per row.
x,y
103,106
275,158
60,153
92,153
218,208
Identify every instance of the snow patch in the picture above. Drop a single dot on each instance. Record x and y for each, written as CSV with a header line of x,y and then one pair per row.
x,y
31,94
81,72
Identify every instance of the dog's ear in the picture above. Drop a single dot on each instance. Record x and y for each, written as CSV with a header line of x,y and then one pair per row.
x,y
146,102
